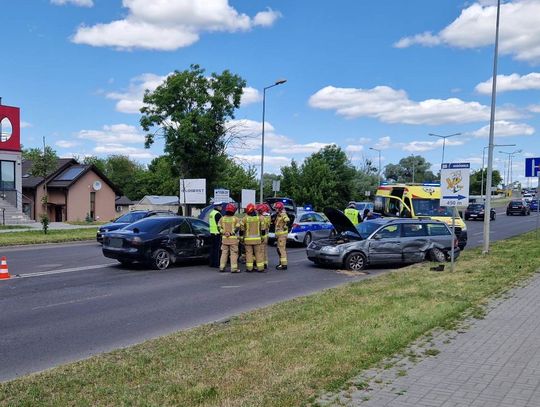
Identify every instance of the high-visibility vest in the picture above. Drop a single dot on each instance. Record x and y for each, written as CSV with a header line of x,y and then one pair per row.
x,y
212,221
352,214
282,221
252,230
228,224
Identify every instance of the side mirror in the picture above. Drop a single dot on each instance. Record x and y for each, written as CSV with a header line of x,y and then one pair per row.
x,y
136,230
377,236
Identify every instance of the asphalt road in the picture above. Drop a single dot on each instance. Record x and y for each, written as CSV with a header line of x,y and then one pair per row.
x,y
69,302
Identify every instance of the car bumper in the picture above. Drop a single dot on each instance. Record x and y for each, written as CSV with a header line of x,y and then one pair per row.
x,y
296,237
125,254
318,257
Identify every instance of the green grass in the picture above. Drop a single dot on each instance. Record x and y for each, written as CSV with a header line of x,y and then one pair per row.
x,y
85,223
52,236
289,353
13,227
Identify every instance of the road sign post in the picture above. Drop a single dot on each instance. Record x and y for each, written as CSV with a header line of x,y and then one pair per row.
x,y
455,180
532,170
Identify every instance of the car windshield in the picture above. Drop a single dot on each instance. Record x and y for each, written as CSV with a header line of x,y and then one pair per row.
x,y
130,217
430,207
516,203
367,228
150,225
475,207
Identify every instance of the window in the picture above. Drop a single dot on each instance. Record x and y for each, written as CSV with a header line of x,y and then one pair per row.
x,y
414,230
130,217
309,217
182,228
93,205
437,229
200,227
7,175
389,232
150,225
318,218
70,174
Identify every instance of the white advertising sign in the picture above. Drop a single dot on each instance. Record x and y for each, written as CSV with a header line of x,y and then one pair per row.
x,y
248,196
455,180
193,191
275,186
222,195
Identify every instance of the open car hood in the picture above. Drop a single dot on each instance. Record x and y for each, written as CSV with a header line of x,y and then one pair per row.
x,y
340,222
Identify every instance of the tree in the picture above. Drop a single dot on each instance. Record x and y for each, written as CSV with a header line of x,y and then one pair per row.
x,y
99,163
476,181
124,173
235,177
268,182
291,180
190,110
366,179
408,168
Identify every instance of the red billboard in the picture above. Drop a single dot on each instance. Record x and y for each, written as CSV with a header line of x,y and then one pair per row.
x,y
10,128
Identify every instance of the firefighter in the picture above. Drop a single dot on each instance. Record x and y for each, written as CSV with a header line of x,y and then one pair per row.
x,y
353,214
282,230
251,228
264,214
228,227
215,237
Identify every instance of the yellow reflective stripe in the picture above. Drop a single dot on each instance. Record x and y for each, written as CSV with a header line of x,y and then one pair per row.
x,y
285,232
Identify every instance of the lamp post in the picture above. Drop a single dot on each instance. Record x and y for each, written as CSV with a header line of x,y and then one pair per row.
x,y
489,181
278,82
483,155
509,171
444,141
379,172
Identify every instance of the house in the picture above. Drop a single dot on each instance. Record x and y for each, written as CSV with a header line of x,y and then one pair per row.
x,y
71,192
159,200
122,204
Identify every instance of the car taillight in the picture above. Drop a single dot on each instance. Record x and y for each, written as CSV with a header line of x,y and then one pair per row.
x,y
295,225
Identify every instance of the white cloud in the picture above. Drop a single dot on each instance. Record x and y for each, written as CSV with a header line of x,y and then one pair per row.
x,y
534,108
506,83
167,25
307,148
475,27
384,143
115,148
131,99
394,106
255,159
113,134
354,148
80,3
422,146
505,128
66,143
25,125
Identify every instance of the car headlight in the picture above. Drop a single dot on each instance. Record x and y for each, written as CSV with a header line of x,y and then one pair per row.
x,y
103,230
331,250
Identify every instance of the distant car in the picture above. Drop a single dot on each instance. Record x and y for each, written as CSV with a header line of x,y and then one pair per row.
x,y
517,207
310,226
128,219
476,211
159,241
527,198
383,240
533,206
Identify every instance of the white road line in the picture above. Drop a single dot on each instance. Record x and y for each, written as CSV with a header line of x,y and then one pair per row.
x,y
72,301
62,271
231,286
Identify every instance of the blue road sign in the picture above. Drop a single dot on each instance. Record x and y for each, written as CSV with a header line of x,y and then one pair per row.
x,y
532,167
458,197
454,166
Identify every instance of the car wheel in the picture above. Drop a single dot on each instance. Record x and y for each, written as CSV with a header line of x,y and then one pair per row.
x,y
307,239
507,213
125,262
437,255
355,261
161,259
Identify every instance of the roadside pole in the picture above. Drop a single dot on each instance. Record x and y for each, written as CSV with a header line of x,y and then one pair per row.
x,y
538,206
453,239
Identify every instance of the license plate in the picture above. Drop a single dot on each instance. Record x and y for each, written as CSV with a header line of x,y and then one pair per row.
x,y
115,242
474,216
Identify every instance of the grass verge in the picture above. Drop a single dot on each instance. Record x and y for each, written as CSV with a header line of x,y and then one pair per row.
x,y
85,223
52,236
286,354
13,227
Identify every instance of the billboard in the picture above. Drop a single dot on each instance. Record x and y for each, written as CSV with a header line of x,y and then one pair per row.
x,y
455,179
10,128
193,191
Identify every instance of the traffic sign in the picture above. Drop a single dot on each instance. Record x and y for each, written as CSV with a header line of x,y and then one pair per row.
x,y
532,167
222,195
455,184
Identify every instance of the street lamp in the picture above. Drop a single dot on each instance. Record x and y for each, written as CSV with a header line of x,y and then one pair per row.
x,y
379,172
483,155
444,141
278,82
509,178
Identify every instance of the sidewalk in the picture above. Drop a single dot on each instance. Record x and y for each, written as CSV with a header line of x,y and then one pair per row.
x,y
494,362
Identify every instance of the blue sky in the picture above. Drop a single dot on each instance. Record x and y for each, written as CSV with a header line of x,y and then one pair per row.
x,y
359,73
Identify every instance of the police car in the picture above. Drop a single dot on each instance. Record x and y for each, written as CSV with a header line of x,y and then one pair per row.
x,y
308,227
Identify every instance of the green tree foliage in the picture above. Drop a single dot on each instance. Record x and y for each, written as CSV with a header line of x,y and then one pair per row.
x,y
366,179
99,163
476,181
291,180
125,173
190,111
235,177
267,187
408,166
43,162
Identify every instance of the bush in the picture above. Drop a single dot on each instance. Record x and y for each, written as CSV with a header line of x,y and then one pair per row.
x,y
44,218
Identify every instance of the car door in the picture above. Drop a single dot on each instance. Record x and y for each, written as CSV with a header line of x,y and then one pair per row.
x,y
201,232
385,245
183,239
414,242
323,226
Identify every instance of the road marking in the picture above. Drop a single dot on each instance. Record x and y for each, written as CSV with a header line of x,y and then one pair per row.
x,y
49,265
231,286
72,301
62,271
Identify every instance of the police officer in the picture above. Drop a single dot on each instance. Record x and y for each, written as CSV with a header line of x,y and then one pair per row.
x,y
252,232
228,226
215,237
353,214
282,230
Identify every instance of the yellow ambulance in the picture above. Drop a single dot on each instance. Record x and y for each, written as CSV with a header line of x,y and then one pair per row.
x,y
418,201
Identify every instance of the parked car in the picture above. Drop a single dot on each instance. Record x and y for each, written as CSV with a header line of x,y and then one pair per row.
x,y
476,211
310,226
517,207
159,241
533,206
128,219
383,240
